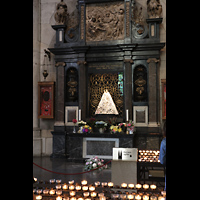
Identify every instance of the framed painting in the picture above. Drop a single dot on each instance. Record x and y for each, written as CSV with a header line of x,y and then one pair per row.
x,y
163,81
46,100
71,112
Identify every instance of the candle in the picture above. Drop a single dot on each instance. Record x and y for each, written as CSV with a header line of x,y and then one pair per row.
x,y
58,198
79,114
123,196
58,186
80,198
110,184
35,179
52,180
73,198
146,186
124,185
65,186
91,188
71,187
102,198
93,194
137,197
126,115
153,198
46,191
58,181
115,196
39,197
161,198
52,191
153,187
130,196
71,182
97,183
85,187
72,193
101,194
138,186
86,194
78,187
58,192
84,182
104,184
131,185
145,197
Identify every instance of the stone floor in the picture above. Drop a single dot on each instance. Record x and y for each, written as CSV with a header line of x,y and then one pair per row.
x,y
63,166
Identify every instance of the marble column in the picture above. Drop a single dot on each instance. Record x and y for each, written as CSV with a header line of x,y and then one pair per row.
x,y
128,88
59,95
153,92
82,88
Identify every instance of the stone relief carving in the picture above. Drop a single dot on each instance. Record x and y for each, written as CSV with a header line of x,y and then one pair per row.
x,y
154,8
105,21
61,13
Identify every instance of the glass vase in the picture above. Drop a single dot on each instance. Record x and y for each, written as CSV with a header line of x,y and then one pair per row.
x,y
74,131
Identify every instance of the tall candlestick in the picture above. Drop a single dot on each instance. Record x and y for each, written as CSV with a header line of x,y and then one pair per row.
x,y
126,115
79,114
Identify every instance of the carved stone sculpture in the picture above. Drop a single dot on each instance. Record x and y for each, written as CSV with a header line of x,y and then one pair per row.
x,y
61,13
154,8
105,21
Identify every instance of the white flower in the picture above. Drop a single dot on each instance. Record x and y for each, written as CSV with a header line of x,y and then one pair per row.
x,y
94,165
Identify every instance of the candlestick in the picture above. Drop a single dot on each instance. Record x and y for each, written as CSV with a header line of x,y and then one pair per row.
x,y
126,115
79,114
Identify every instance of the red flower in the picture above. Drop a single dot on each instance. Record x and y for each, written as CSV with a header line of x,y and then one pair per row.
x,y
74,121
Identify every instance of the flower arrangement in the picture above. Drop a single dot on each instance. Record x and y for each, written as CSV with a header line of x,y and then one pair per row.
x,y
93,163
115,129
81,123
100,124
87,129
130,125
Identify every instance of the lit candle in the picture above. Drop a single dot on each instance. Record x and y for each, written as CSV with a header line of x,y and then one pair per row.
x,y
104,184
58,198
65,186
146,186
115,196
58,192
52,191
72,193
137,197
73,198
78,187
80,198
131,185
38,196
101,194
86,194
124,185
161,198
88,199
46,191
153,187
71,182
71,187
91,188
97,183
102,198
52,180
126,115
110,184
58,181
79,114
85,187
84,182
145,197
93,194
58,186
138,186
153,198
130,196
35,179
123,196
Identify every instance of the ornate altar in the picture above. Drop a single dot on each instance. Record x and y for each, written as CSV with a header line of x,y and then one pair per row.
x,y
107,45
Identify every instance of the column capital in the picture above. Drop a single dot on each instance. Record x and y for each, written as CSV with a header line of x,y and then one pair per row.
x,y
62,64
81,62
128,60
153,60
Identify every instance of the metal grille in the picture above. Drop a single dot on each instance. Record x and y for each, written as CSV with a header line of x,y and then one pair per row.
x,y
113,82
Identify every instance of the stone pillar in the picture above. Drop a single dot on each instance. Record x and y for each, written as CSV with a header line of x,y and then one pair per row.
x,y
128,88
153,92
82,89
37,141
60,96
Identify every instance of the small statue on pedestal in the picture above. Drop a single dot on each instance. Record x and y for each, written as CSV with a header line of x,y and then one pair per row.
x,y
154,8
61,13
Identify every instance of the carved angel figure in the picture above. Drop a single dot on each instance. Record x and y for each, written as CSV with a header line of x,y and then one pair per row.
x,y
154,8
61,13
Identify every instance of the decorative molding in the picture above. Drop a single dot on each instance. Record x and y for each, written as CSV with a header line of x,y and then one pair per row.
x,y
62,64
153,60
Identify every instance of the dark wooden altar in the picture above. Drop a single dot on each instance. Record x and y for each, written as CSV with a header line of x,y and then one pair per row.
x,y
107,40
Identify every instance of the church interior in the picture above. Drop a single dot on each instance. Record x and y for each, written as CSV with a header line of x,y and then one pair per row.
x,y
99,99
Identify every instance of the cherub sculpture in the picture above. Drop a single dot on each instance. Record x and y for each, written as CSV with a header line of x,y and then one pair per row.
x,y
154,8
